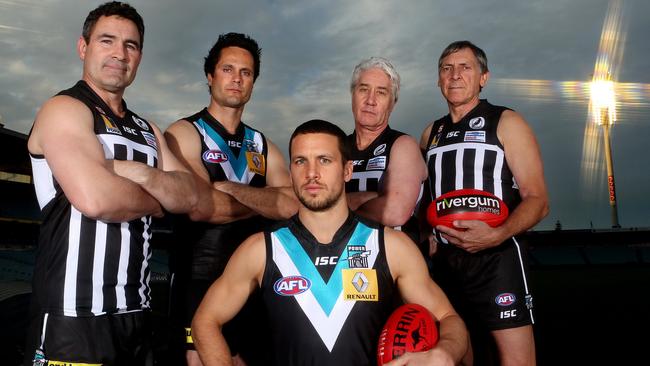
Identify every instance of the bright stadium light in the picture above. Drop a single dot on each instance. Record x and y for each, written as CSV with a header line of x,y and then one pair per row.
x,y
603,110
603,101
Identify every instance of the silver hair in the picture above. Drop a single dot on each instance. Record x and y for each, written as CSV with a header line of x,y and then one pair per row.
x,y
379,63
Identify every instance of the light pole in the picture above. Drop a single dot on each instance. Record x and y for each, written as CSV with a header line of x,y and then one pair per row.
x,y
610,172
604,103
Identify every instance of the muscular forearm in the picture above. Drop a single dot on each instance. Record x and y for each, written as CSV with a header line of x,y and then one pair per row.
x,y
210,343
271,202
527,214
387,211
217,207
356,199
453,337
118,201
175,190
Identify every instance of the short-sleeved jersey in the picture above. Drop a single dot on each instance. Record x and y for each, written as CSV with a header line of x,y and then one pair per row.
x,y
327,303
469,155
240,157
369,169
87,267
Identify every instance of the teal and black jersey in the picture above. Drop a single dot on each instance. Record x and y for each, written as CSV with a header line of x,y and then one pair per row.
x,y
240,157
327,303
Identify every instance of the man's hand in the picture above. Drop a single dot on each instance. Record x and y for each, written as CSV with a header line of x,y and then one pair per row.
x,y
472,235
435,356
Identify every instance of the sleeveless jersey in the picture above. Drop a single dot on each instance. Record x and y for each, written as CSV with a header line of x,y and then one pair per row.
x,y
238,158
468,154
370,164
369,167
327,303
86,267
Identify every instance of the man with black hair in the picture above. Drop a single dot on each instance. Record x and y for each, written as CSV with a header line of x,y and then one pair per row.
x,y
101,172
242,178
308,269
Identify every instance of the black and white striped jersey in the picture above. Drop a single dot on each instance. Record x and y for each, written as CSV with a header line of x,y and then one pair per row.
x,y
369,169
86,267
370,164
468,155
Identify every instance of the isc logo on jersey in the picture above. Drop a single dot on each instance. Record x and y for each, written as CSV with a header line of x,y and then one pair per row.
x,y
505,299
214,156
291,285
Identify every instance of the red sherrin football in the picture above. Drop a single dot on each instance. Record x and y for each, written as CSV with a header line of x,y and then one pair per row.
x,y
467,204
410,328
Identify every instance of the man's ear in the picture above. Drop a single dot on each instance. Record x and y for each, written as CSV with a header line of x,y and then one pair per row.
x,y
347,171
81,47
484,79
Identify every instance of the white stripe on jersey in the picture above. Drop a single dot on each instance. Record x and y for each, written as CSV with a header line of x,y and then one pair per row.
x,y
498,165
523,275
125,251
72,259
364,176
437,168
479,158
458,184
43,181
98,268
145,262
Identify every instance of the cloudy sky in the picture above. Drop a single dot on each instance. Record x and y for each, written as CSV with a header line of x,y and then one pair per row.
x,y
541,54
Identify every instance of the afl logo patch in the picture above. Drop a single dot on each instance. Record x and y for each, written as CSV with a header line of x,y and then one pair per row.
x,y
291,285
477,123
214,156
379,149
142,124
505,299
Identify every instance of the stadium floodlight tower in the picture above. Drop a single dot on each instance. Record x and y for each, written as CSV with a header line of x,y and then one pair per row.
x,y
603,104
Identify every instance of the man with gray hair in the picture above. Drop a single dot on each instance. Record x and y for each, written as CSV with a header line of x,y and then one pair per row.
x,y
482,146
389,170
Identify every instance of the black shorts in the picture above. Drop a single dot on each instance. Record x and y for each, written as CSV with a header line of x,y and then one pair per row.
x,y
490,288
112,339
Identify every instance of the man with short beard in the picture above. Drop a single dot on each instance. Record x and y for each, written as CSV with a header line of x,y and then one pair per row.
x,y
305,269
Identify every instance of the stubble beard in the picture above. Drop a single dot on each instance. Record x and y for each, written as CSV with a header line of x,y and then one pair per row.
x,y
320,205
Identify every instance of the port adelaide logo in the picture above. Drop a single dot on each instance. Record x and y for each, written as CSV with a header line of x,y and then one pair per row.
x,y
358,256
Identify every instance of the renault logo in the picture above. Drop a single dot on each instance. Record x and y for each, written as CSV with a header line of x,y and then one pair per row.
x,y
360,282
